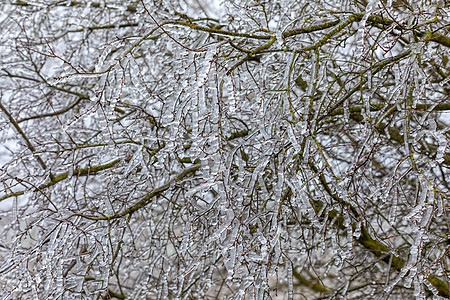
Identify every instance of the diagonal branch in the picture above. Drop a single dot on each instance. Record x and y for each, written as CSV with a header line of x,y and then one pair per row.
x,y
146,200
20,131
365,240
91,170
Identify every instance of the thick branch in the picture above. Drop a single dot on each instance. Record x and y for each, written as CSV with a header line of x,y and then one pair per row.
x,y
309,29
377,68
146,200
365,240
91,170
217,30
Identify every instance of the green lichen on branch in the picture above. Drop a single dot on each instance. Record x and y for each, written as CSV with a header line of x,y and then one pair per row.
x,y
91,170
313,283
146,200
303,30
365,240
215,30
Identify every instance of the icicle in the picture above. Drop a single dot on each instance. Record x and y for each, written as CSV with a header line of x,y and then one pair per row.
x,y
290,280
370,8
201,103
105,52
312,78
257,172
296,139
74,76
445,81
393,210
357,231
203,74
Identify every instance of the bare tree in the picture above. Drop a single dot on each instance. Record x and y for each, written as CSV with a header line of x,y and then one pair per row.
x,y
245,149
